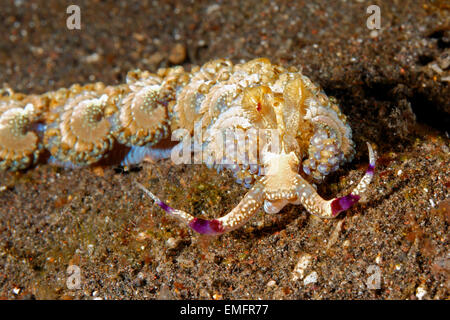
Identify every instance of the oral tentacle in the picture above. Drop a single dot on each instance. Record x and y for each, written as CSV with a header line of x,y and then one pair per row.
x,y
248,206
180,215
317,206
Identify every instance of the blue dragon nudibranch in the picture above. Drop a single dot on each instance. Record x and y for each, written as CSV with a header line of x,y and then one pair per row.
x,y
83,125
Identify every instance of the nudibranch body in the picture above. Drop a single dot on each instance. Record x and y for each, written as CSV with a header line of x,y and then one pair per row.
x,y
270,126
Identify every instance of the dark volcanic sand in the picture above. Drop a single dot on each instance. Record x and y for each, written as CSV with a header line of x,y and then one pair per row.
x,y
393,85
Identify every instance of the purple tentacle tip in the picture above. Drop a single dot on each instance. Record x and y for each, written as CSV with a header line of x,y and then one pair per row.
x,y
209,227
371,169
165,207
343,203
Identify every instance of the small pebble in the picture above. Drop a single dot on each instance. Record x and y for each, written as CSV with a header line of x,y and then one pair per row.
x,y
92,58
311,278
165,293
155,58
421,292
271,283
212,8
172,243
177,54
432,203
300,268
335,234
378,259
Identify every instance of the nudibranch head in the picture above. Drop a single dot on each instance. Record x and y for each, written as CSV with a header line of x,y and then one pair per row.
x,y
19,146
258,104
280,181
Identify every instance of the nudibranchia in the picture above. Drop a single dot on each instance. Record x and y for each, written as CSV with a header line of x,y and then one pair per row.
x,y
274,129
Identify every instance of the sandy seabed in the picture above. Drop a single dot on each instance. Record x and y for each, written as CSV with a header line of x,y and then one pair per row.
x,y
392,83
